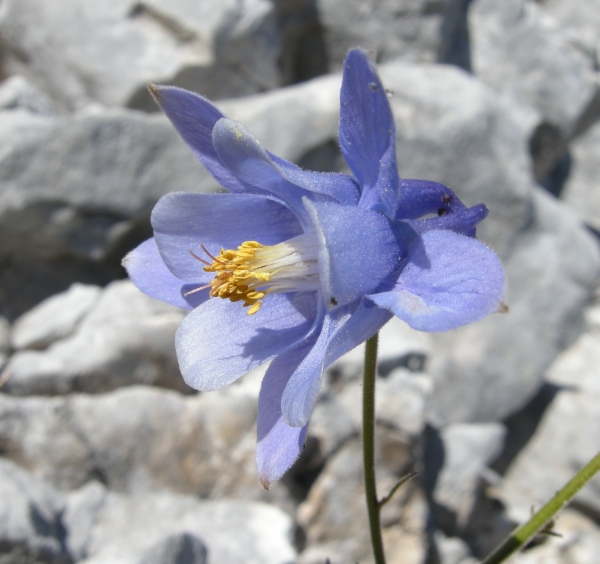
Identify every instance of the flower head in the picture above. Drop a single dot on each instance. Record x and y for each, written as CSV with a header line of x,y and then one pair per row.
x,y
300,267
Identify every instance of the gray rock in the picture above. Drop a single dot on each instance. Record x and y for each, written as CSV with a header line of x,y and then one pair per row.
x,y
182,548
580,21
409,29
452,550
19,92
592,315
71,212
334,517
5,336
54,319
331,425
136,529
82,510
566,438
401,400
488,370
581,192
576,368
30,519
399,347
109,53
468,449
527,58
126,338
138,439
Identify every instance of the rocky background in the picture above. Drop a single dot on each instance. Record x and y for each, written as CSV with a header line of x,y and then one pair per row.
x,y
108,458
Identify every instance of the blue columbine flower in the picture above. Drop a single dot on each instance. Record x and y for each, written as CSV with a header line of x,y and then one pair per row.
x,y
321,261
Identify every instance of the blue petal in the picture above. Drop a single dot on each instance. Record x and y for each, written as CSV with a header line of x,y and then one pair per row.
x,y
302,389
362,324
423,197
194,118
462,221
359,249
449,280
218,342
340,187
367,131
343,329
247,159
149,273
279,445
182,221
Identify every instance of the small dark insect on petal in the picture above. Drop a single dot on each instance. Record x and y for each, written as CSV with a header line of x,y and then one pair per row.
x,y
446,198
389,92
442,211
373,86
333,301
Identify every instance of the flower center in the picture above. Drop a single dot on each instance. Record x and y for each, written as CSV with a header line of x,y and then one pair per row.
x,y
254,270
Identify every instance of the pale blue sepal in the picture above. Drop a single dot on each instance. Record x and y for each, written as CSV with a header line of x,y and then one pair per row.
x,y
278,444
449,280
218,342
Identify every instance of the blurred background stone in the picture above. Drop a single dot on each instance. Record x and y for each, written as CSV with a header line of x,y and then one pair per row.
x,y
495,416
82,53
76,194
54,319
96,340
581,191
149,528
406,29
524,54
30,519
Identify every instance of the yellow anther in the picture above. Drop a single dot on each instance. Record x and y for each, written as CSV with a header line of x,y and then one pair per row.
x,y
254,308
237,277
252,271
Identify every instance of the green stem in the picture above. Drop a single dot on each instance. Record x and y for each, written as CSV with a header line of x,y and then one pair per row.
x,y
396,487
521,536
373,506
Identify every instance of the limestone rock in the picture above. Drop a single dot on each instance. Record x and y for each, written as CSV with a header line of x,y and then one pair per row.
x,y
334,517
408,29
524,55
135,439
56,318
472,142
126,338
468,449
18,92
488,370
76,193
166,528
567,437
108,52
582,188
132,529
580,21
182,547
30,519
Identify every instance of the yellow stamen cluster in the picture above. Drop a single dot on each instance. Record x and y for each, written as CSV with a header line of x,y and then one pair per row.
x,y
237,278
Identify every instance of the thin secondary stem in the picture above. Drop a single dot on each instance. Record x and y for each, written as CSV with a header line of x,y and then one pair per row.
x,y
373,506
521,536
